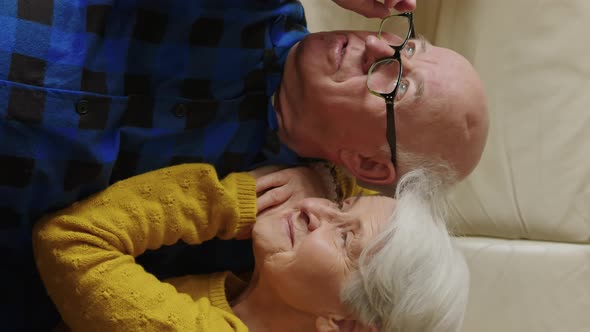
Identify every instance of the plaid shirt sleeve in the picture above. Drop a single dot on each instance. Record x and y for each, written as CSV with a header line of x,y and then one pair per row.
x,y
96,91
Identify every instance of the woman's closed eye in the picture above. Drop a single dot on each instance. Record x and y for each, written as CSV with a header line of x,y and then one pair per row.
x,y
348,237
346,234
343,236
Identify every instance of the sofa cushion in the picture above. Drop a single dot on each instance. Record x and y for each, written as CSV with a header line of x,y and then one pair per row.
x,y
533,181
527,286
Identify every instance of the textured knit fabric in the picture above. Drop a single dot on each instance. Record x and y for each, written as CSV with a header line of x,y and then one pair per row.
x,y
96,91
85,253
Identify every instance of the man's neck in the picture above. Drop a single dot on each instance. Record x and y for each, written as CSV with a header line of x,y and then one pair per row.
x,y
262,310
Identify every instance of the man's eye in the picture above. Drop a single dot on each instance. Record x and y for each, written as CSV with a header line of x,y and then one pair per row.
x,y
402,89
410,49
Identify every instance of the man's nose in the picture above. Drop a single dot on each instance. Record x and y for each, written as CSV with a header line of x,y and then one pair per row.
x,y
375,49
407,63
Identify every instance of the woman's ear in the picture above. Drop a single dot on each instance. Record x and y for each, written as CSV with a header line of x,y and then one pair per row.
x,y
324,324
369,169
332,324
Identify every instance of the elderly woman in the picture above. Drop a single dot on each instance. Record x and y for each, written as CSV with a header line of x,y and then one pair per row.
x,y
370,263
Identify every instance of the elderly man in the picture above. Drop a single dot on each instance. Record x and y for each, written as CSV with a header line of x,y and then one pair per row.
x,y
98,92
440,112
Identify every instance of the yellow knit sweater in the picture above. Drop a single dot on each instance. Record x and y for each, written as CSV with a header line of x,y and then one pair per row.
x,y
85,253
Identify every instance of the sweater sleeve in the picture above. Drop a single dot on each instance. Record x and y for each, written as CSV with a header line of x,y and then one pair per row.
x,y
85,253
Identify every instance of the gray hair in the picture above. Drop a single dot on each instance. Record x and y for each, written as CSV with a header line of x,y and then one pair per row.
x,y
411,277
440,175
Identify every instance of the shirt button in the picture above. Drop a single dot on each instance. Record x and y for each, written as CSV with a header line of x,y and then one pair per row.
x,y
82,107
180,111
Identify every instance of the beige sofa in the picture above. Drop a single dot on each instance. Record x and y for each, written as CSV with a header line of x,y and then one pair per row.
x,y
525,211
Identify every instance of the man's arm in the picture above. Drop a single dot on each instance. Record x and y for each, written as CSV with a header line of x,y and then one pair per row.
x,y
85,253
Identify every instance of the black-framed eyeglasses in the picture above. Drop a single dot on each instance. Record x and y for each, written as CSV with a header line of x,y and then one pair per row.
x,y
385,73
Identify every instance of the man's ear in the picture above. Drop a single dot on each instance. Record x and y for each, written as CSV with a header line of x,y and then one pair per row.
x,y
369,169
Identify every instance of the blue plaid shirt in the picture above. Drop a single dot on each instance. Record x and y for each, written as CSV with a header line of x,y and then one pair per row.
x,y
95,91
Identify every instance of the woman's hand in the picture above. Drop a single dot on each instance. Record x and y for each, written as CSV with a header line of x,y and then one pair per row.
x,y
265,170
288,186
374,8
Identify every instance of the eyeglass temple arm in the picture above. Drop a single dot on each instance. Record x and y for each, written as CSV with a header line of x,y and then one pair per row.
x,y
390,134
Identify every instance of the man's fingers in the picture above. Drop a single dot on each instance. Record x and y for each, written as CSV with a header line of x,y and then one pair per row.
x,y
379,10
272,198
372,9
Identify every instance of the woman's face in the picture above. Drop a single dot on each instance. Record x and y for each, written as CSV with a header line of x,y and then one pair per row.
x,y
306,252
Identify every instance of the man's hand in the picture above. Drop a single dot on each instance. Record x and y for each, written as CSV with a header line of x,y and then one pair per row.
x,y
288,186
374,8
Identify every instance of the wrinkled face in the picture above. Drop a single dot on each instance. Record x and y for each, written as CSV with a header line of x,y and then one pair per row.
x,y
307,251
326,74
328,106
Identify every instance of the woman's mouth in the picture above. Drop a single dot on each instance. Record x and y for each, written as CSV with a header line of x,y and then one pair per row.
x,y
291,230
340,50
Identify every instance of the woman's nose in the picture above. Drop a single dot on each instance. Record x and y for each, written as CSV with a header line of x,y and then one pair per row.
x,y
315,203
317,210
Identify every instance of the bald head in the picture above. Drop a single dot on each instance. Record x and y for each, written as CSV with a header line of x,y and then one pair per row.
x,y
326,111
448,121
